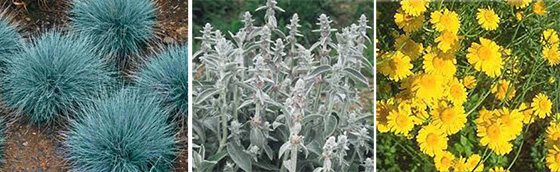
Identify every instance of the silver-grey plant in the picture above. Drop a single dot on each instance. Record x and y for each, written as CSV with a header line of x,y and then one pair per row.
x,y
268,103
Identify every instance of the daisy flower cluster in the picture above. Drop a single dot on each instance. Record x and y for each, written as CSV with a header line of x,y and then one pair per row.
x,y
464,86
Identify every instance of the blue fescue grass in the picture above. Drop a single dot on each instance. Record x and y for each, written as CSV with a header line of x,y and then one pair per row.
x,y
10,40
166,77
119,28
126,132
52,77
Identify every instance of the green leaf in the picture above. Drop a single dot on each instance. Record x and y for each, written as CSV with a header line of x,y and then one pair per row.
x,y
206,94
330,125
257,137
242,159
308,118
319,70
219,156
464,140
356,76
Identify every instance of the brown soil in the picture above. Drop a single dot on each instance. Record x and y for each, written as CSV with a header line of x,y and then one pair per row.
x,y
30,149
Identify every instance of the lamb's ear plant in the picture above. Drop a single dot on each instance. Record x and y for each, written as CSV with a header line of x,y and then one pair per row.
x,y
52,77
166,78
120,29
125,132
288,107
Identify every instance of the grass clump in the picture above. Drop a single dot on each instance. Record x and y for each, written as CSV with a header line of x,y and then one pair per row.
x,y
127,132
118,28
10,41
166,78
52,77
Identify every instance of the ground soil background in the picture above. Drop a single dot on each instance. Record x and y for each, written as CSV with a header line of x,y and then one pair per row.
x,y
35,148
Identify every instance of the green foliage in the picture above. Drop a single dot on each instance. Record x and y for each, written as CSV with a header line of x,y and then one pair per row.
x,y
126,132
226,15
52,77
166,77
118,28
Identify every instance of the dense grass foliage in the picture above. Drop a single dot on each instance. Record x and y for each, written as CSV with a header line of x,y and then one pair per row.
x,y
166,77
52,77
127,132
118,28
10,40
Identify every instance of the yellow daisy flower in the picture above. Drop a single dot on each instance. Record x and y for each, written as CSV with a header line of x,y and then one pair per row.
x,y
444,160
407,22
550,37
469,82
551,80
456,92
460,164
449,118
486,57
439,64
445,21
519,15
400,121
539,7
542,106
503,90
519,4
494,136
485,117
487,19
472,161
446,40
396,65
528,115
551,54
408,47
552,136
512,120
414,7
428,87
553,159
431,140
499,169
382,109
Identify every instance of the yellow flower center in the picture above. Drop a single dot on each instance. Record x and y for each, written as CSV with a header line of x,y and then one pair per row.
x,y
438,62
445,19
447,115
456,90
428,83
556,137
397,62
488,16
484,53
448,37
557,158
409,46
432,139
543,105
493,131
445,161
402,120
